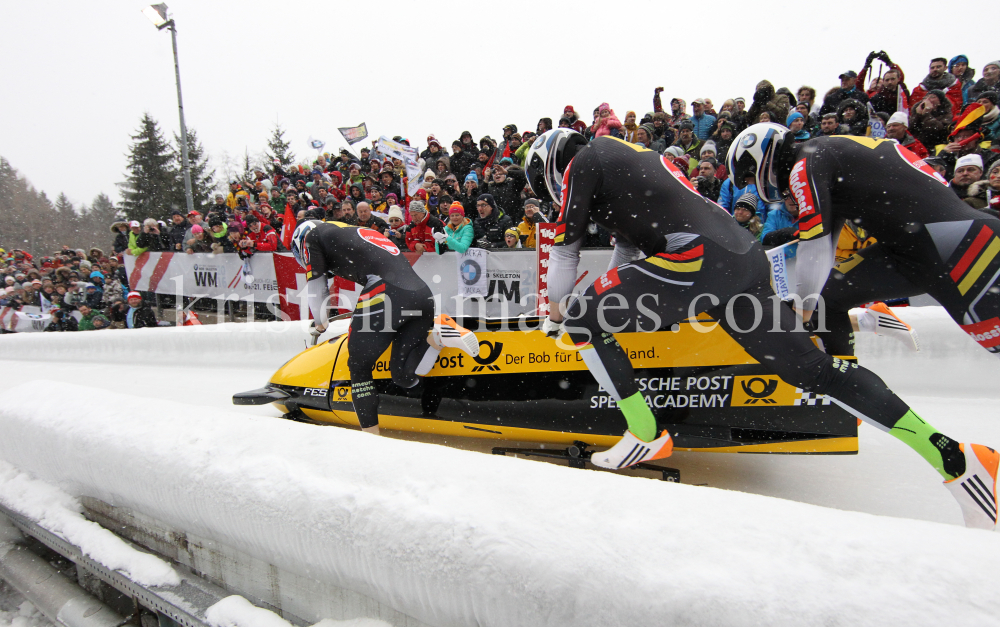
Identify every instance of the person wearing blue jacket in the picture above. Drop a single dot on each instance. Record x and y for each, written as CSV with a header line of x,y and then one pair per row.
x,y
703,122
781,226
729,194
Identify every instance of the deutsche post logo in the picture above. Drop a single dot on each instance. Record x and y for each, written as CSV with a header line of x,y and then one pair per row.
x,y
763,391
485,360
342,394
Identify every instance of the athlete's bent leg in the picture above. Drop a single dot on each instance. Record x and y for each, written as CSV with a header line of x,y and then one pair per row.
x,y
866,276
369,337
791,355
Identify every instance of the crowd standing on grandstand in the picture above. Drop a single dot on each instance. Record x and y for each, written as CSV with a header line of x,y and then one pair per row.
x,y
476,193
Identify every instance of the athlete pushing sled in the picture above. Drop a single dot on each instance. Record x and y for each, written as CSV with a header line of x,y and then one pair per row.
x,y
699,260
395,308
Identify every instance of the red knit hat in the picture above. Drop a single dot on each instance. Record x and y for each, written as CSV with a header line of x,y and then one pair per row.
x,y
456,207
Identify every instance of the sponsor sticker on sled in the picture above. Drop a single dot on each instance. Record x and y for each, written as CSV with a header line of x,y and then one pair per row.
x,y
341,394
762,391
375,238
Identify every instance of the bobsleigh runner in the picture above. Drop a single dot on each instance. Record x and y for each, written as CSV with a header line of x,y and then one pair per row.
x,y
523,388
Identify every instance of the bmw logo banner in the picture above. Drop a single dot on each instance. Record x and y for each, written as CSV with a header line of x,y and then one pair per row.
x,y
472,273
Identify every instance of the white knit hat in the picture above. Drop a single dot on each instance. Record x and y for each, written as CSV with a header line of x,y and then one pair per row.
x,y
973,159
899,117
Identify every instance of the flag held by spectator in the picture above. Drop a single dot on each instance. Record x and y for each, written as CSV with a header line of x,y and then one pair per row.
x,y
354,134
287,227
876,127
316,144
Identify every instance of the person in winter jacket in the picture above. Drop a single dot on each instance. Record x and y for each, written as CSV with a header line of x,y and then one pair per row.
x,y
200,241
607,122
420,233
135,230
938,79
931,118
369,220
532,216
985,194
461,161
891,94
218,232
139,314
150,238
505,189
62,321
958,67
854,116
492,223
990,123
87,314
179,226
94,296
781,226
703,121
767,100
989,82
796,124
706,182
120,230
745,213
264,238
848,90
457,233
896,128
629,127
397,228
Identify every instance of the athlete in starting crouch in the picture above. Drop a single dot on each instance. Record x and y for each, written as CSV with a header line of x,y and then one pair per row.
x,y
395,307
697,260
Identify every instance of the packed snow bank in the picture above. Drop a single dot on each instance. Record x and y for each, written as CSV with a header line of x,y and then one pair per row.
x,y
235,611
453,537
262,343
949,363
58,513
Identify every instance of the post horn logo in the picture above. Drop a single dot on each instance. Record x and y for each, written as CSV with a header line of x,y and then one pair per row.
x,y
767,388
485,360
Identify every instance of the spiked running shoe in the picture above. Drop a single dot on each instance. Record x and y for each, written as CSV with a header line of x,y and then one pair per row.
x,y
448,333
630,450
889,324
976,489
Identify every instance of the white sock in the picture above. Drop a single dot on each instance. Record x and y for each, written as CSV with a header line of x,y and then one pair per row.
x,y
867,321
427,361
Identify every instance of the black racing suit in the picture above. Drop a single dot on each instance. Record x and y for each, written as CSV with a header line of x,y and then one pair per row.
x,y
929,241
395,307
698,259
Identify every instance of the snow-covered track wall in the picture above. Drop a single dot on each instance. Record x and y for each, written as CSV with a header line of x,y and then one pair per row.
x,y
455,538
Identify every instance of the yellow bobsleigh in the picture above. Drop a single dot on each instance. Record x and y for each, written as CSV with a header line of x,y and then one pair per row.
x,y
702,387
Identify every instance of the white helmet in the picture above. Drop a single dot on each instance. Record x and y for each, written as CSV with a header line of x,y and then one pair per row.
x,y
548,158
753,153
299,239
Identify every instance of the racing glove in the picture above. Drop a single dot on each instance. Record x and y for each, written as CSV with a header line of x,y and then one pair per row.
x,y
553,329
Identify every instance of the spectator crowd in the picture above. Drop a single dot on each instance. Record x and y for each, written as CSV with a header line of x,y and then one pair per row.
x,y
475,194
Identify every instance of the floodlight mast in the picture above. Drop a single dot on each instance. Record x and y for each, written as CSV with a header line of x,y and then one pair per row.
x,y
157,14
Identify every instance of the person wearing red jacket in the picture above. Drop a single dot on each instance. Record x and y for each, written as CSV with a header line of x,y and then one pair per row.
x,y
898,128
939,78
420,234
264,239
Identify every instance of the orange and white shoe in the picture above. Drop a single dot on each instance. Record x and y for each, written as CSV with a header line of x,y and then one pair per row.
x,y
889,324
630,450
976,489
448,333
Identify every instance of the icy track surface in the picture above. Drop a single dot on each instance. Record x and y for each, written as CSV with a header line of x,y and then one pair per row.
x,y
455,537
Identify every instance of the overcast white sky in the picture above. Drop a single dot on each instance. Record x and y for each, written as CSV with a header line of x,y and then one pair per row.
x,y
78,75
